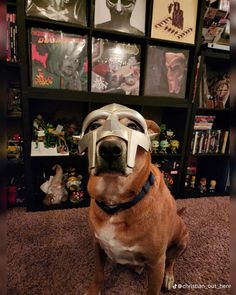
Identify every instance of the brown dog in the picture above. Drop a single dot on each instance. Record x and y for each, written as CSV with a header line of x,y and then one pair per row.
x,y
147,230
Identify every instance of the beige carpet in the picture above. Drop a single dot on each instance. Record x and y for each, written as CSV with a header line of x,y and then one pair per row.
x,y
51,253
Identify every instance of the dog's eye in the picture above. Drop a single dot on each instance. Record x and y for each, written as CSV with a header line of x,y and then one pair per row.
x,y
133,126
94,126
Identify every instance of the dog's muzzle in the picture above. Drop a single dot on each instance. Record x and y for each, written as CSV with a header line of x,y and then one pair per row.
x,y
113,128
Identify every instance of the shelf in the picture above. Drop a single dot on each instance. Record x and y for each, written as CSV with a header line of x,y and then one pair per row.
x,y
14,162
211,155
10,64
198,195
214,53
82,96
166,155
226,110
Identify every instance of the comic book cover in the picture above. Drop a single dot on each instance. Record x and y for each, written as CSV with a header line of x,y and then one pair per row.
x,y
71,11
174,20
58,60
124,16
166,72
115,67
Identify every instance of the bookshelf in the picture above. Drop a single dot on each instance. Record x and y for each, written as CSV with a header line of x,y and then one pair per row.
x,y
178,114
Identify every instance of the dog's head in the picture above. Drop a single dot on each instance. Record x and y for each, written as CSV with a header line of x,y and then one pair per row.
x,y
113,137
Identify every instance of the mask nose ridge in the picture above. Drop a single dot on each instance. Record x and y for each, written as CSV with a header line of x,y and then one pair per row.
x,y
118,6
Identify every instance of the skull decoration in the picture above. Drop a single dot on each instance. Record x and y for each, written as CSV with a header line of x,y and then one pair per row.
x,y
176,67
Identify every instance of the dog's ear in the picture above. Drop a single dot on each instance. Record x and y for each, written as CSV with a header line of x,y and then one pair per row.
x,y
153,129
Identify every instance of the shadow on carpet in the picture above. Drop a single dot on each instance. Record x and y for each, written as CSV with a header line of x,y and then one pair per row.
x,y
51,253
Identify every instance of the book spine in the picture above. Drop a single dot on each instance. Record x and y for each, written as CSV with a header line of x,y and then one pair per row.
x,y
201,142
226,135
195,143
218,133
208,141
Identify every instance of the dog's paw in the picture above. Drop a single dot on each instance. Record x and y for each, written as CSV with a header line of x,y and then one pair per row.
x,y
169,281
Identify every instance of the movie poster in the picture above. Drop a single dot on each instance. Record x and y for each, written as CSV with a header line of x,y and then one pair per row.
x,y
115,67
166,72
58,60
127,16
174,20
71,11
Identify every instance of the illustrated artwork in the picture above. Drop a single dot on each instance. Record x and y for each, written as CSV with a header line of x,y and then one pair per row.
x,y
166,72
71,11
174,20
59,60
115,67
127,16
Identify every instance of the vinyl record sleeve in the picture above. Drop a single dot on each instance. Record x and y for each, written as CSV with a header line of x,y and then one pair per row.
x,y
115,67
71,11
166,72
174,20
126,16
58,60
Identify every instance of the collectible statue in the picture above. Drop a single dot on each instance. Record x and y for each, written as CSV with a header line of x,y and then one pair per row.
x,y
169,134
202,185
155,146
164,144
174,146
212,187
192,182
73,184
55,189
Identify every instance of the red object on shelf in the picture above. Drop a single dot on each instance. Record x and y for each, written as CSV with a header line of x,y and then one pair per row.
x,y
11,194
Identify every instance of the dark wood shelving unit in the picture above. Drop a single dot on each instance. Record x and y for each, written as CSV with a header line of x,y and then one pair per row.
x,y
179,112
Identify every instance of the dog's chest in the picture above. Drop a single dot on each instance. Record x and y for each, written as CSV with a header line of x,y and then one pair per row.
x,y
115,249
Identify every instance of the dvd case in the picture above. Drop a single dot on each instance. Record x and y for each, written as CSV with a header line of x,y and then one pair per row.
x,y
71,11
166,72
115,67
58,60
174,20
126,16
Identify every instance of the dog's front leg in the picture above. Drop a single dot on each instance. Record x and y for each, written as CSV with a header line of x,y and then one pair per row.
x,y
155,276
98,283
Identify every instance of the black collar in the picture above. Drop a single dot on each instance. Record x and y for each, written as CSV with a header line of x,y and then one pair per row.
x,y
137,198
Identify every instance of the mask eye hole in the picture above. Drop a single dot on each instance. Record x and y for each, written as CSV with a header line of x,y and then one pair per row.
x,y
135,126
93,126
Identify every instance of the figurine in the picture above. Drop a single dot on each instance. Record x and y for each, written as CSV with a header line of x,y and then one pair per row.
x,y
202,185
174,146
73,184
164,144
212,187
56,192
169,135
155,146
192,182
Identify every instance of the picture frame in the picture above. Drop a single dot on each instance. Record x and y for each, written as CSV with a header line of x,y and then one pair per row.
x,y
174,20
166,72
115,67
125,16
70,11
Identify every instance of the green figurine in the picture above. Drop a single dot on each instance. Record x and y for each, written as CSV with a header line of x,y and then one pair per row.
x,y
164,144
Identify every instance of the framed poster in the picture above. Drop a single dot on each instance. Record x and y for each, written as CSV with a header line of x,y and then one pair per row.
x,y
58,60
115,67
174,20
127,16
166,72
71,11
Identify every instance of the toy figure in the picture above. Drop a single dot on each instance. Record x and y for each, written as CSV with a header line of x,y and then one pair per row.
x,y
73,184
202,185
169,134
164,144
192,182
174,145
56,192
212,187
155,146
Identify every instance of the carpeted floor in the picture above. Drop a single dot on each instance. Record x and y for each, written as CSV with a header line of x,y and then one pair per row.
x,y
51,253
